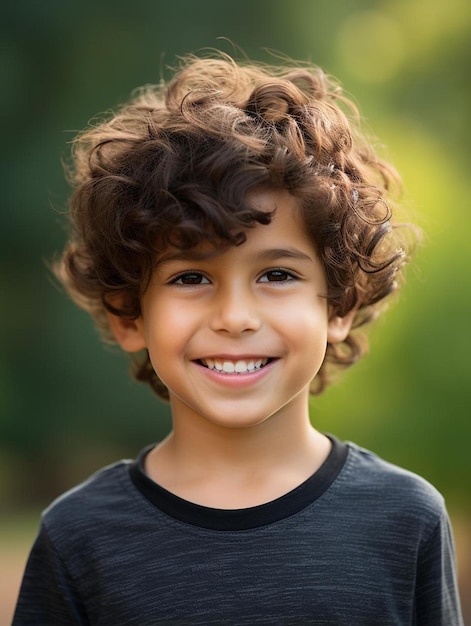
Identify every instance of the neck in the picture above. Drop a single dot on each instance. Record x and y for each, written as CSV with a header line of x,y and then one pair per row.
x,y
236,467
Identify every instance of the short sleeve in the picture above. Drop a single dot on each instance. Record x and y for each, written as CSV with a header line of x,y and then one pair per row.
x,y
47,594
437,600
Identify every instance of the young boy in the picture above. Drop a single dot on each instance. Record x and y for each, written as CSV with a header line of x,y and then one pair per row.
x,y
232,228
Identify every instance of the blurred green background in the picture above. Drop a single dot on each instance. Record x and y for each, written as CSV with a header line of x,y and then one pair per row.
x,y
67,404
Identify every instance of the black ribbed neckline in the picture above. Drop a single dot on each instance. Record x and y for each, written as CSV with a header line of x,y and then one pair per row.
x,y
240,519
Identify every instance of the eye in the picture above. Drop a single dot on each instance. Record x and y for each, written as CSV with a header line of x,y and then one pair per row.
x,y
190,278
278,275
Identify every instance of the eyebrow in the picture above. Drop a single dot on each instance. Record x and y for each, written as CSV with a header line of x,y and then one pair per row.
x,y
271,254
186,255
267,254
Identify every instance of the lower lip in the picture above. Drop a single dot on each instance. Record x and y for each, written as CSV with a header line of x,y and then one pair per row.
x,y
237,380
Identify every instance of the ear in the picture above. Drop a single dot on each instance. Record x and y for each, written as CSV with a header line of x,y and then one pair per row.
x,y
129,333
339,327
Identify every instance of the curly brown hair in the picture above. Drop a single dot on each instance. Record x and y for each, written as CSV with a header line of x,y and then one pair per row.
x,y
175,167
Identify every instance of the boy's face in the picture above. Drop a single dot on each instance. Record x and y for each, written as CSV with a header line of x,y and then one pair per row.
x,y
237,337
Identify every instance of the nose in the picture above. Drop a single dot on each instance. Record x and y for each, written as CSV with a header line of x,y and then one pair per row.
x,y
235,311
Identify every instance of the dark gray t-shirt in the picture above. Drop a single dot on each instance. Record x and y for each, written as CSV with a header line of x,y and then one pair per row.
x,y
360,543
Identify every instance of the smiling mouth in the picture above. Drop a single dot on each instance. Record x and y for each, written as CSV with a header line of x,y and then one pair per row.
x,y
235,367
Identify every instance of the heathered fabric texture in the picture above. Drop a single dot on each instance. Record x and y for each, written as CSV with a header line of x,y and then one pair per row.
x,y
372,548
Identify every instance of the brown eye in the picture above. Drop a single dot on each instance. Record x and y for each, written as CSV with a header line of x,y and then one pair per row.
x,y
278,275
190,278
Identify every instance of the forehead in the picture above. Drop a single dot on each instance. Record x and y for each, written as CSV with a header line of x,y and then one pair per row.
x,y
284,236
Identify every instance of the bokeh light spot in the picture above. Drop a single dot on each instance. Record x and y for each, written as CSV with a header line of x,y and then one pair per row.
x,y
371,46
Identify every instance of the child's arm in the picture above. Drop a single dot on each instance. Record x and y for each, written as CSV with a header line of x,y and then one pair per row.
x,y
47,594
437,600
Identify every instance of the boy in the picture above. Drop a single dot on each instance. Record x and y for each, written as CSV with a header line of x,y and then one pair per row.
x,y
233,227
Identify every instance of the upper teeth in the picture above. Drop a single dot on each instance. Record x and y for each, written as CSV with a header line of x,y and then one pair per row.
x,y
239,367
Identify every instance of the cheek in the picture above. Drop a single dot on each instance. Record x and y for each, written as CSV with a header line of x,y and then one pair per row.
x,y
161,314
169,327
309,316
309,331
164,347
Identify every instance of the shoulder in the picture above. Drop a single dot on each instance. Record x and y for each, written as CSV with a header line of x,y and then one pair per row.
x,y
386,489
104,496
369,471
